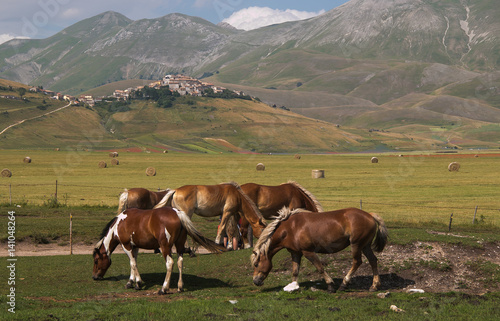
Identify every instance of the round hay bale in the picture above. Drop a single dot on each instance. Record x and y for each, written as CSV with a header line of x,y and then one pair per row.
x,y
151,171
58,149
165,151
374,160
115,161
261,167
113,154
454,167
27,160
102,164
318,173
297,156
6,172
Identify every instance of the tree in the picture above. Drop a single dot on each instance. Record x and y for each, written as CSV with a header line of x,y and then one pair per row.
x,y
21,91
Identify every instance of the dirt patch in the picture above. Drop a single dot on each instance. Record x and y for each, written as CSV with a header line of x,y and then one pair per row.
x,y
429,266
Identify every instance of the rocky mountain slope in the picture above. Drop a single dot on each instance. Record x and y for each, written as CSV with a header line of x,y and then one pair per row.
x,y
368,64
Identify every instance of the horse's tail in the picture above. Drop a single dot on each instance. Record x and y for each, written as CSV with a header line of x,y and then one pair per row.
x,y
166,200
309,196
381,238
122,201
196,236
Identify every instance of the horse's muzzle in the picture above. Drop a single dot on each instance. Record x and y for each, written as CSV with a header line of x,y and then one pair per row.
x,y
258,281
96,278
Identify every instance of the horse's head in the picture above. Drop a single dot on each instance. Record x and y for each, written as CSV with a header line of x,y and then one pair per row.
x,y
102,262
262,266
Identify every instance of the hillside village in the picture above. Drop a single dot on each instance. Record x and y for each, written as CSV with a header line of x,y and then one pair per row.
x,y
184,85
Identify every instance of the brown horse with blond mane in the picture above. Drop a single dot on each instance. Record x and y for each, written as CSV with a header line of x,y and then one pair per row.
x,y
138,229
305,234
139,198
271,199
225,199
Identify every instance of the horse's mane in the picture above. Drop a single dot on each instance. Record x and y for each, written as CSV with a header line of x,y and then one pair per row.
x,y
247,199
106,228
315,201
264,241
104,233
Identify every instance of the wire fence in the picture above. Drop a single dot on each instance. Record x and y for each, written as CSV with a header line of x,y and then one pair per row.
x,y
79,194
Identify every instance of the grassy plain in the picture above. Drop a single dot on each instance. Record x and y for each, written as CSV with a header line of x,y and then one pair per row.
x,y
414,188
217,287
412,193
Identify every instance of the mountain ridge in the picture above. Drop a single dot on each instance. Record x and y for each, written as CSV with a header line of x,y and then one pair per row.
x,y
353,65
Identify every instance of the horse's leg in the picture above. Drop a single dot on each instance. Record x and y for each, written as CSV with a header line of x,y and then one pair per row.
x,y
169,262
296,258
134,272
356,263
313,257
223,223
368,252
180,283
180,260
244,232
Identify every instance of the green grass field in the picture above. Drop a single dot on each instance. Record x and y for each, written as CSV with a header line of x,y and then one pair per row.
x,y
411,189
413,194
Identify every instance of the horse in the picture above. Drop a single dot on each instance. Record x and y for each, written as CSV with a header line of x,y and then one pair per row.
x,y
305,234
271,199
138,229
225,199
139,198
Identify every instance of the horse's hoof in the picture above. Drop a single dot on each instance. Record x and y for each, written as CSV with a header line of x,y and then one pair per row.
x,y
161,292
129,285
342,287
373,289
180,290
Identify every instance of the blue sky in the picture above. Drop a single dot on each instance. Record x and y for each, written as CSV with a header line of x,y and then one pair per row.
x,y
43,18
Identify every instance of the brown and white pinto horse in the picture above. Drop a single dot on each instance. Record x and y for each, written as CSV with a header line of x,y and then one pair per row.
x,y
271,199
225,199
139,198
305,234
148,229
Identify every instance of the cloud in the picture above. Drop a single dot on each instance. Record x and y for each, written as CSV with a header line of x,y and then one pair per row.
x,y
6,37
257,17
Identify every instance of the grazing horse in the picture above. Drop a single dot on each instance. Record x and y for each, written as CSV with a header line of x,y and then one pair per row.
x,y
225,199
305,234
148,229
271,199
139,198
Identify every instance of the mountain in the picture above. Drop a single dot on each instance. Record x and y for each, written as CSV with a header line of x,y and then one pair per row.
x,y
454,32
399,65
110,47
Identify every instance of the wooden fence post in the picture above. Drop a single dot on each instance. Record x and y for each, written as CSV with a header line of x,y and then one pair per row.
x,y
70,234
474,219
451,219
